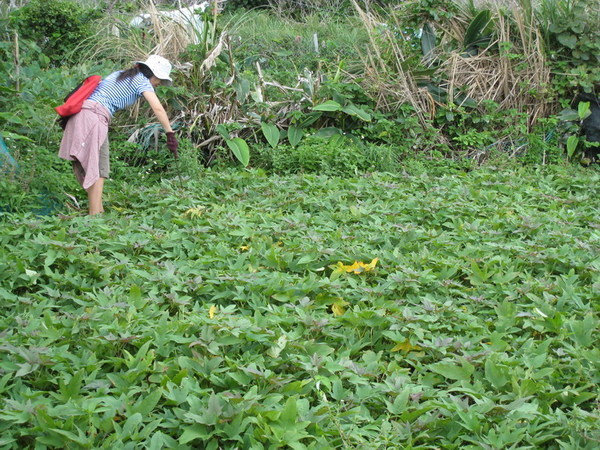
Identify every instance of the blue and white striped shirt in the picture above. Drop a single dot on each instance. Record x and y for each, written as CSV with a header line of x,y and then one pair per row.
x,y
116,95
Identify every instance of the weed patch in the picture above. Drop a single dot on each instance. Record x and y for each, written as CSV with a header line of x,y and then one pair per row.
x,y
254,311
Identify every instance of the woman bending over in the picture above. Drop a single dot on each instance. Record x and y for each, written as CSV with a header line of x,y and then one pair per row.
x,y
85,140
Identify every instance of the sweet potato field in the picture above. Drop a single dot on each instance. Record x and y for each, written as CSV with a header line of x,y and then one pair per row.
x,y
240,310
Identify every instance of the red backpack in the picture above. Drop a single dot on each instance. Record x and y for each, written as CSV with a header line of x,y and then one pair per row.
x,y
73,102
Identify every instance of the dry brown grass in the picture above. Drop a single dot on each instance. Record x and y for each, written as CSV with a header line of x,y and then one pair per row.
x,y
385,78
163,36
511,71
516,77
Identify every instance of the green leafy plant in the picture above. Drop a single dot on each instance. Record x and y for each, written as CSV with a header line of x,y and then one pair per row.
x,y
334,154
245,4
572,34
478,33
57,26
237,145
247,310
574,142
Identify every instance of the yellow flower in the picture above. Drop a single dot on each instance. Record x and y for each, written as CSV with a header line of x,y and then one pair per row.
x,y
406,347
357,268
338,307
212,311
194,212
371,265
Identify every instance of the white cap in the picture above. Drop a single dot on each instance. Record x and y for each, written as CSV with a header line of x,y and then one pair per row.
x,y
160,67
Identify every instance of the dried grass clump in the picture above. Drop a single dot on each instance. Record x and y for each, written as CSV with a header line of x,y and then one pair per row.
x,y
515,78
385,78
162,35
169,37
511,71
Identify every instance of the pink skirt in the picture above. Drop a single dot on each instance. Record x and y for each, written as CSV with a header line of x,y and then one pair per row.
x,y
84,134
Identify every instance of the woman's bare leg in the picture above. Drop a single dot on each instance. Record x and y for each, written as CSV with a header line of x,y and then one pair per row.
x,y
95,197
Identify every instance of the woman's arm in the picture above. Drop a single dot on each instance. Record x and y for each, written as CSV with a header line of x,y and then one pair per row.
x,y
158,110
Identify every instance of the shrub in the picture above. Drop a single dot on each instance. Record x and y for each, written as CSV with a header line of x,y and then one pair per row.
x,y
57,26
571,32
39,184
326,157
544,144
245,4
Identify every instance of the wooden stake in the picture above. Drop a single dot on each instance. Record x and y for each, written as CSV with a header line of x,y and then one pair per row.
x,y
17,61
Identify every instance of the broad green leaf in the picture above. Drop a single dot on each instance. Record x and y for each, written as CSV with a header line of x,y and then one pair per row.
x,y
193,432
3,382
329,105
136,298
307,120
307,259
355,111
242,89
25,369
476,28
132,423
148,403
240,150
427,40
289,414
572,142
79,438
223,131
583,110
73,388
400,403
582,331
271,133
141,355
568,115
211,414
479,274
8,90
6,440
496,374
10,118
14,136
453,371
295,134
336,140
161,441
279,346
327,132
567,39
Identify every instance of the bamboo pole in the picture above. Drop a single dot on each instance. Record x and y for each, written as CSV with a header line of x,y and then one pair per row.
x,y
17,62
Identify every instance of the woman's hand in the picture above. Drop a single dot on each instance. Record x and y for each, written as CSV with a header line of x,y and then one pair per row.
x,y
172,144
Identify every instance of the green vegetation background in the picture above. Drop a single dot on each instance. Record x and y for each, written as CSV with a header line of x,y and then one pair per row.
x,y
321,268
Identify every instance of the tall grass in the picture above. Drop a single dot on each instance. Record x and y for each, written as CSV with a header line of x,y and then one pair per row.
x,y
303,8
118,41
287,46
385,75
511,70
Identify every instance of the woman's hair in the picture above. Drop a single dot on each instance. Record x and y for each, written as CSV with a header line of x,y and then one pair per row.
x,y
132,72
